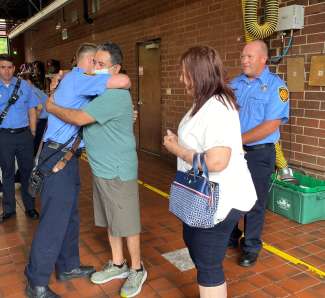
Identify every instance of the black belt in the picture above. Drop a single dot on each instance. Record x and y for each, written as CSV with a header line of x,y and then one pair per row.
x,y
55,146
14,130
258,146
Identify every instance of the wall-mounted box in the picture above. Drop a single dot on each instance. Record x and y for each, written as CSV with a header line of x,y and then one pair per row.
x,y
291,17
317,71
296,74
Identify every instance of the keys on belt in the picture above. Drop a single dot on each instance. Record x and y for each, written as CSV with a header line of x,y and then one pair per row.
x,y
14,130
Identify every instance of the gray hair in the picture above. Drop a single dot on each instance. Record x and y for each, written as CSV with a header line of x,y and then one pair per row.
x,y
114,50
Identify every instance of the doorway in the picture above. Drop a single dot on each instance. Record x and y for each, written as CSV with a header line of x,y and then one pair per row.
x,y
149,102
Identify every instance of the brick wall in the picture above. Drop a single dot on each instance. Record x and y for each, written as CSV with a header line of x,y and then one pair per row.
x,y
303,139
181,24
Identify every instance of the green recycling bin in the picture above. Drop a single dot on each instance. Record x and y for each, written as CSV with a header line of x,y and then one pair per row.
x,y
303,203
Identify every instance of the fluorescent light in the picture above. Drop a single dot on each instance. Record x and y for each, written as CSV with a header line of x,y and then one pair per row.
x,y
47,11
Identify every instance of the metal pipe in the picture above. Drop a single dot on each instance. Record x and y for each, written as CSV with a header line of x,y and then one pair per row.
x,y
44,13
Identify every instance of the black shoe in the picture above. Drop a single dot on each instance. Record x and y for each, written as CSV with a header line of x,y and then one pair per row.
x,y
76,273
32,213
7,215
248,259
39,292
235,236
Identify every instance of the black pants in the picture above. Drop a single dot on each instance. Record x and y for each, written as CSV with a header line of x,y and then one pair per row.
x,y
261,164
19,146
56,240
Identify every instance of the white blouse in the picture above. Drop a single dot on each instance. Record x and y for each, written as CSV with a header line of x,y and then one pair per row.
x,y
216,125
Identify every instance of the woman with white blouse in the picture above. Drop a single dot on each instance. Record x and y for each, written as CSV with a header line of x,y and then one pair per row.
x,y
212,126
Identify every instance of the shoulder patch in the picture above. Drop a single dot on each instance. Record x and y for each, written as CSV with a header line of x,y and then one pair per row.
x,y
283,94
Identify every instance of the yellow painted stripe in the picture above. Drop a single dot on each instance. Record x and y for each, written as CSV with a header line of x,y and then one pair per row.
x,y
266,246
154,189
292,259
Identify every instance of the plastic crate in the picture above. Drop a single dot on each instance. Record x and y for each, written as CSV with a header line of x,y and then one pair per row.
x,y
303,203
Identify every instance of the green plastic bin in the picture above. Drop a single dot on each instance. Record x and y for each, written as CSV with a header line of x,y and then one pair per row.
x,y
303,203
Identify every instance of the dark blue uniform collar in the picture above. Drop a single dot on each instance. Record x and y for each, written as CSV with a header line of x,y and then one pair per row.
x,y
12,82
262,77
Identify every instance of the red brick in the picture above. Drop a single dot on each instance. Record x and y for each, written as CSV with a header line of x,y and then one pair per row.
x,y
315,9
308,122
315,19
315,114
307,140
318,37
313,150
313,29
309,104
306,157
312,48
322,143
315,95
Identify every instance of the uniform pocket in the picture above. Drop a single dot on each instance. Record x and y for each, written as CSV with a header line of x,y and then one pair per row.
x,y
257,108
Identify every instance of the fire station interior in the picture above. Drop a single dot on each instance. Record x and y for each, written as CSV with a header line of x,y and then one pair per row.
x,y
153,34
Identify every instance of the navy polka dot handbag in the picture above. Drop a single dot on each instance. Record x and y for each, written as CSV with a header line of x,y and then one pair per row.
x,y
193,198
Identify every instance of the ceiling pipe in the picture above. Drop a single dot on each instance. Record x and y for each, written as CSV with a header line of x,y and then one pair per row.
x,y
44,13
87,18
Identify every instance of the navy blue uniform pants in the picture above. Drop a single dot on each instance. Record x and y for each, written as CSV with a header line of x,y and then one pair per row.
x,y
19,145
56,240
261,164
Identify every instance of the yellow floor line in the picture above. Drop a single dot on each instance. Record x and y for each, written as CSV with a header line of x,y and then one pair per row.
x,y
154,189
292,259
266,246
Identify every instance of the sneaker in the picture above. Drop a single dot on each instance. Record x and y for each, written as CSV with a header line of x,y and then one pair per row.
x,y
133,284
109,273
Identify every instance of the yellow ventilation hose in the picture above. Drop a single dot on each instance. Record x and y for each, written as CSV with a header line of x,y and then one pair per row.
x,y
255,31
252,26
280,160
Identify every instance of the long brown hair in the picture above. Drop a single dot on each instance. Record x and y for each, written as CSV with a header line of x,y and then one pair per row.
x,y
205,73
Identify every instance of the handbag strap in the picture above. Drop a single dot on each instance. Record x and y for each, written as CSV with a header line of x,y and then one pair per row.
x,y
12,100
204,165
199,158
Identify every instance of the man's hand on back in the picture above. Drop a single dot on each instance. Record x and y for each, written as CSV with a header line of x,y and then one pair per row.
x,y
49,103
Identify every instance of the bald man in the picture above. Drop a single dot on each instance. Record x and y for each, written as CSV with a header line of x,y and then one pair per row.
x,y
264,105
